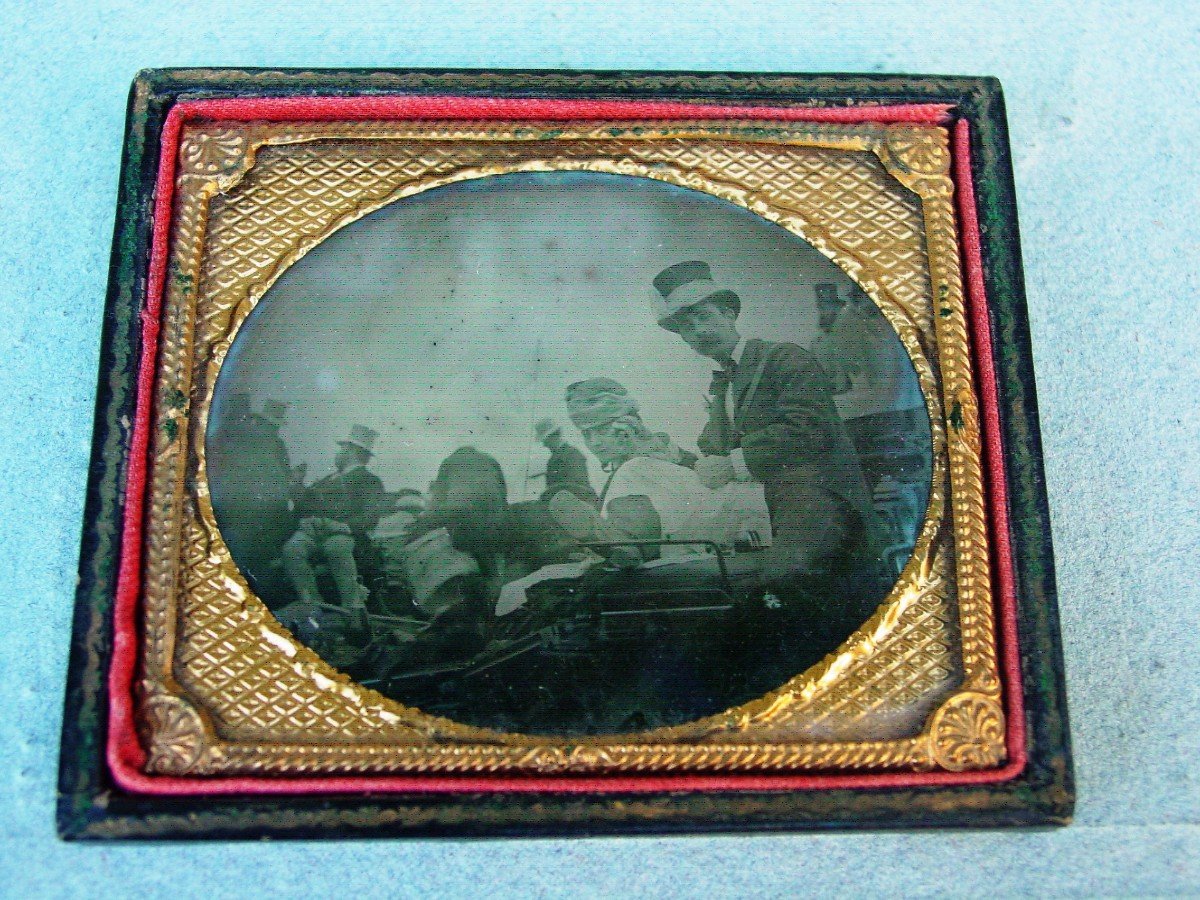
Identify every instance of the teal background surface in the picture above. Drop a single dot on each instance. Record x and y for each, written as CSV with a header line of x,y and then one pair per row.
x,y
1102,104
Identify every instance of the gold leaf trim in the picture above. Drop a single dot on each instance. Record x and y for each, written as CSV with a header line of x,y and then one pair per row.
x,y
178,741
967,732
286,711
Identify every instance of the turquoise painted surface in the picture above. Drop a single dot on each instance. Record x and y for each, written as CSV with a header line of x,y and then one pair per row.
x,y
1103,110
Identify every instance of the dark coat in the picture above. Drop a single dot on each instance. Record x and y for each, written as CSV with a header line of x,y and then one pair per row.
x,y
788,428
249,466
354,497
250,480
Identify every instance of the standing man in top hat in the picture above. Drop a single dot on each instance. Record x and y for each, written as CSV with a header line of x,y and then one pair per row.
x,y
272,469
336,515
772,419
567,468
250,480
234,485
269,421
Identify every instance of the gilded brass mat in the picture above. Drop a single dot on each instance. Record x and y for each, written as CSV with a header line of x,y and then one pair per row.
x,y
226,689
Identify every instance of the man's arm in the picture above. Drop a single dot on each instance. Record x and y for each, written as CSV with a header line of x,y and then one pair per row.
x,y
711,442
629,518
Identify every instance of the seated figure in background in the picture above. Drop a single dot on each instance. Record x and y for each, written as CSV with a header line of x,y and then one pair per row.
x,y
567,468
336,515
393,530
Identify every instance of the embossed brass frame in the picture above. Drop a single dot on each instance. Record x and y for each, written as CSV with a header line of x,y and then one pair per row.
x,y
106,788
226,690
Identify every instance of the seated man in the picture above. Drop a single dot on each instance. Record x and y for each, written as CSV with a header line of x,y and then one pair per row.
x,y
566,469
464,547
336,515
651,494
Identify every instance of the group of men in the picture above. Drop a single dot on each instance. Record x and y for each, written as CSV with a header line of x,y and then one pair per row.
x,y
772,421
270,519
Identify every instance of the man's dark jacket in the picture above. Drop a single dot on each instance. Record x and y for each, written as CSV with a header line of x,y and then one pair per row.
x,y
787,425
354,497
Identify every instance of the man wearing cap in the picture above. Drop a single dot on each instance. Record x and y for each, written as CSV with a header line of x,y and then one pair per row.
x,y
651,493
567,468
336,515
772,419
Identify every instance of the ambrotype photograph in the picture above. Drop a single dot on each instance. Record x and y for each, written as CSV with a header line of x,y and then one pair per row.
x,y
481,465
568,453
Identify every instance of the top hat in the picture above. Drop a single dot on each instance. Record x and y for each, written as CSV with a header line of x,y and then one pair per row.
x,y
361,437
685,284
544,428
274,412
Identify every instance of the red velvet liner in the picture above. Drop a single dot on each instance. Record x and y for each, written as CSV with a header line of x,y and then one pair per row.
x,y
325,109
125,754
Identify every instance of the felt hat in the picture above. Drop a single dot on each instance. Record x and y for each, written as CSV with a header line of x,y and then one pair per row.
x,y
685,284
544,428
598,401
361,437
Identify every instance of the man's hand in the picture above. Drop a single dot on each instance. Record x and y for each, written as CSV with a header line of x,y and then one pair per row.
x,y
714,471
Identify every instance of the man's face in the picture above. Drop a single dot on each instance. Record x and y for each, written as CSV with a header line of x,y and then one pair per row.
x,y
609,444
343,458
710,329
553,440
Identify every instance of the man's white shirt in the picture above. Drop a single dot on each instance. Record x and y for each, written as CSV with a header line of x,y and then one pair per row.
x,y
688,510
675,493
